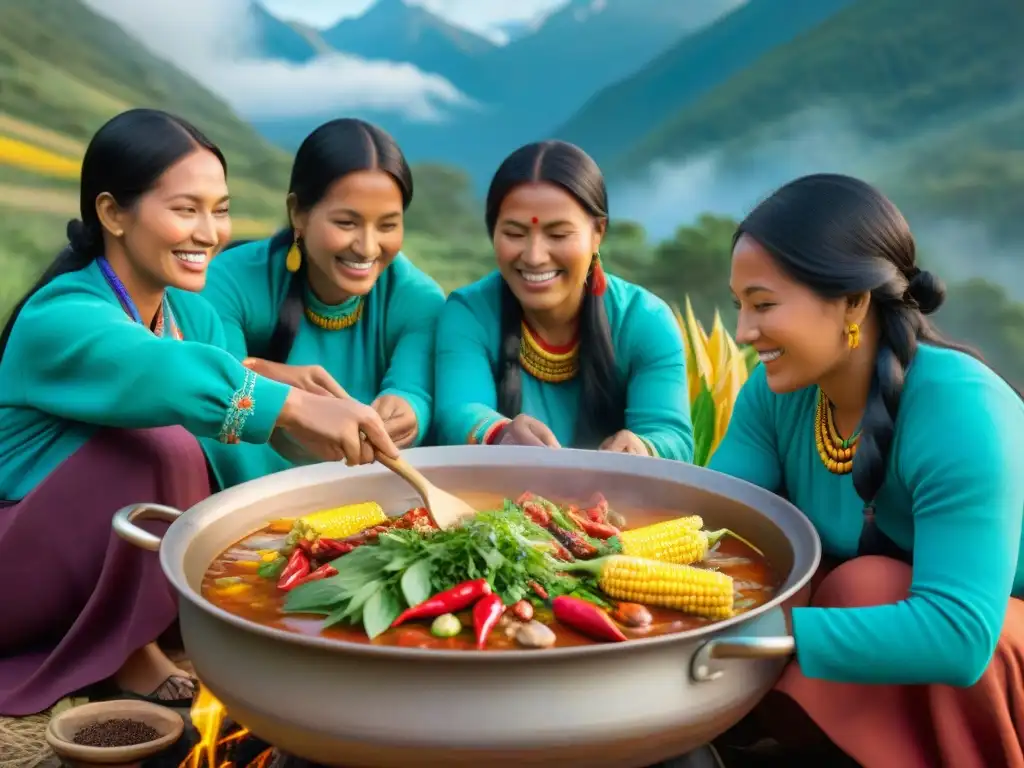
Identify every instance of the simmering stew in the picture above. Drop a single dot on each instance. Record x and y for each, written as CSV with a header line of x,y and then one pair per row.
x,y
527,573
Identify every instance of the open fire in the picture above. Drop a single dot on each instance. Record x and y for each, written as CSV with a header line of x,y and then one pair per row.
x,y
214,749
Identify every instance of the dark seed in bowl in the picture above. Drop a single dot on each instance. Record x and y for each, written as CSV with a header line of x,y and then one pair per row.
x,y
118,732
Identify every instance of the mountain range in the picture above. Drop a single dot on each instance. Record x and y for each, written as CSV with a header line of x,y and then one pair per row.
x,y
933,92
517,92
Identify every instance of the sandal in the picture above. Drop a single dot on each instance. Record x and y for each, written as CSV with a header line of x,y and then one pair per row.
x,y
177,691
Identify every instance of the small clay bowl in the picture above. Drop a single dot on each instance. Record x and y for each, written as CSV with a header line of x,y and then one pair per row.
x,y
61,732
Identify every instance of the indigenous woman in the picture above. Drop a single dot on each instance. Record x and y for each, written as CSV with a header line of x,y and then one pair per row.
x,y
104,365
905,452
549,350
329,304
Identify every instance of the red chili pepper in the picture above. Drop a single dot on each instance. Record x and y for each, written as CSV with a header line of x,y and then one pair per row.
x,y
329,549
597,509
486,613
453,600
305,545
586,618
538,590
537,514
593,528
296,568
320,573
524,497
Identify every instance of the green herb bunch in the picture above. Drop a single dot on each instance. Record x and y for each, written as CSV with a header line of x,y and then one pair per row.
x,y
376,582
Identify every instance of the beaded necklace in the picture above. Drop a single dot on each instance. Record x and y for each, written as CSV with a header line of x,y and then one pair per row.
x,y
835,452
333,318
546,362
165,324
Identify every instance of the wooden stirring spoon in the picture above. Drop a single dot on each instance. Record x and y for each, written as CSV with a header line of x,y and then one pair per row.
x,y
446,509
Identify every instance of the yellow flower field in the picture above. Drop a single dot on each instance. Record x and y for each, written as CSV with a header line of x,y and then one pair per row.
x,y
20,154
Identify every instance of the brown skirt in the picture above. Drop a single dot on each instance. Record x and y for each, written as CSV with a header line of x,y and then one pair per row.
x,y
915,726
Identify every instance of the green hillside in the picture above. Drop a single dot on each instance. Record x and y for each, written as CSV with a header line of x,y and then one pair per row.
x,y
931,79
623,113
66,70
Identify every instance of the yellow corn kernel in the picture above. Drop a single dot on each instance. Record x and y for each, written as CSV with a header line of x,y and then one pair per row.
x,y
340,522
680,587
671,541
269,555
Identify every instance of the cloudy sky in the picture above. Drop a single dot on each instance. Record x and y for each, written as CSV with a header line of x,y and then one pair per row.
x,y
484,16
209,41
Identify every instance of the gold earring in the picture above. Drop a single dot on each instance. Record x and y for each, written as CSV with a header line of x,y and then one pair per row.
x,y
294,258
853,335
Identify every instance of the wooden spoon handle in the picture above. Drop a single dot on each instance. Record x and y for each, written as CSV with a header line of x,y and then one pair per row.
x,y
409,473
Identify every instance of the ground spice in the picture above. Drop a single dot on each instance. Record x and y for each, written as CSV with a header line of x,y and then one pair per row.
x,y
117,732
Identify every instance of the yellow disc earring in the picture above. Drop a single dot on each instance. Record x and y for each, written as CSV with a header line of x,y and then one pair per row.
x,y
853,335
294,258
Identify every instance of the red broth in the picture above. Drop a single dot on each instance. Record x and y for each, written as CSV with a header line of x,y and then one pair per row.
x,y
261,602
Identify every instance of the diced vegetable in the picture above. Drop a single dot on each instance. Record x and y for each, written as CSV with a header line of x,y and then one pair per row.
x,y
339,522
446,625
669,585
234,589
523,610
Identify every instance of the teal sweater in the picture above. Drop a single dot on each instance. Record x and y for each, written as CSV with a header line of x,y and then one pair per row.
x,y
75,362
648,350
954,496
388,351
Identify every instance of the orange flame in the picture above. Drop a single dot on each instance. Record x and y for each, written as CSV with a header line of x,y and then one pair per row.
x,y
208,717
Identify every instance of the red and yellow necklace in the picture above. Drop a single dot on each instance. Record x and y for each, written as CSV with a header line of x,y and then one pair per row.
x,y
835,452
547,362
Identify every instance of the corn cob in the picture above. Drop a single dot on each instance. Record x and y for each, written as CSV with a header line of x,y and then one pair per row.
x,y
681,587
337,523
679,541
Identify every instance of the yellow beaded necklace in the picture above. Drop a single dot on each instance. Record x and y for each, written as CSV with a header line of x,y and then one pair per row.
x,y
335,323
546,362
835,452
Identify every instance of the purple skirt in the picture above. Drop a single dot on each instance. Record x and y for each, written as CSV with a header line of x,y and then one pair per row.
x,y
78,600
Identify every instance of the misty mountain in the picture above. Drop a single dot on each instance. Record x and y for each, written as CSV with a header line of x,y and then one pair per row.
x,y
277,39
621,114
394,31
932,94
520,91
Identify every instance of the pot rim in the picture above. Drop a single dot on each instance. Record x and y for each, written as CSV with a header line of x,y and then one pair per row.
x,y
183,531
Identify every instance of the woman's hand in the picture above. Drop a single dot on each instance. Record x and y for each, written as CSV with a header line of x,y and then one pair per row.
x,y
526,430
399,419
625,441
332,429
308,378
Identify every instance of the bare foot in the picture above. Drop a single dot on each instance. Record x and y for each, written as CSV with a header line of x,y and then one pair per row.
x,y
149,672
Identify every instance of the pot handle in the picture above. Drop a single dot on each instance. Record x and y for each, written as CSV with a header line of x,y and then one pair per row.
x,y
125,527
702,668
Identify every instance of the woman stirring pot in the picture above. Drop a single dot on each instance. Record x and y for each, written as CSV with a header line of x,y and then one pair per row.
x,y
110,368
905,452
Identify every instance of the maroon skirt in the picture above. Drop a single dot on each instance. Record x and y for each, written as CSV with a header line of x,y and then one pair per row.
x,y
78,600
914,726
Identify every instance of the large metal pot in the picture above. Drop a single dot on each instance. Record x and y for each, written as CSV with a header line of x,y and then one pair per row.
x,y
606,706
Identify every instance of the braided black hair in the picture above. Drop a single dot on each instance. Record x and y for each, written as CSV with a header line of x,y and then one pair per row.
x,y
602,396
842,237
